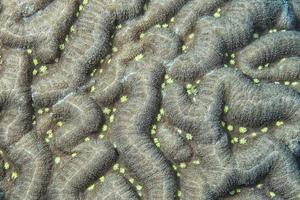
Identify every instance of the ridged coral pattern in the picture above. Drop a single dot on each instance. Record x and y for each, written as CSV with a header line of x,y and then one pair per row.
x,y
150,99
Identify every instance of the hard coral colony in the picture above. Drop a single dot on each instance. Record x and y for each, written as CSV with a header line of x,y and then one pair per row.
x,y
150,99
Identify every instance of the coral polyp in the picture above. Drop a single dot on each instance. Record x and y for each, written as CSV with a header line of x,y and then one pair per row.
x,y
149,99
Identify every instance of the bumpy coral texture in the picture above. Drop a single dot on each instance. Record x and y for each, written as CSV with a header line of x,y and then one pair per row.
x,y
149,99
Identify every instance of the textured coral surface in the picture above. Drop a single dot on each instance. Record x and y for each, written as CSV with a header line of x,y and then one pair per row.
x,y
149,99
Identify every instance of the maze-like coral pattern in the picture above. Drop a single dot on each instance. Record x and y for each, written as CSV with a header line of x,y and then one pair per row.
x,y
150,99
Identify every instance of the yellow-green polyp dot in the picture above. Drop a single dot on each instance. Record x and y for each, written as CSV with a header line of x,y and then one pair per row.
x,y
217,15
14,175
91,187
139,187
230,128
279,123
6,165
34,72
226,109
272,194
242,129
255,35
57,160
35,61
256,80
104,128
189,136
254,134
106,111
235,140
123,99
264,130
139,57
243,141
182,165
102,178
85,2
196,162
179,193
232,62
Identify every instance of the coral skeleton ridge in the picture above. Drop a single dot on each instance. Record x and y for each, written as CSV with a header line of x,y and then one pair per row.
x,y
149,99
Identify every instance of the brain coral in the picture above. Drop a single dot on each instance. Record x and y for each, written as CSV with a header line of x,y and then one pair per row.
x,y
150,99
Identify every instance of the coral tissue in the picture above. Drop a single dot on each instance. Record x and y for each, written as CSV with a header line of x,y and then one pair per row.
x,y
149,99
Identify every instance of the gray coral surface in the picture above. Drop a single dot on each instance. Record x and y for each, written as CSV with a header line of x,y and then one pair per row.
x,y
150,99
